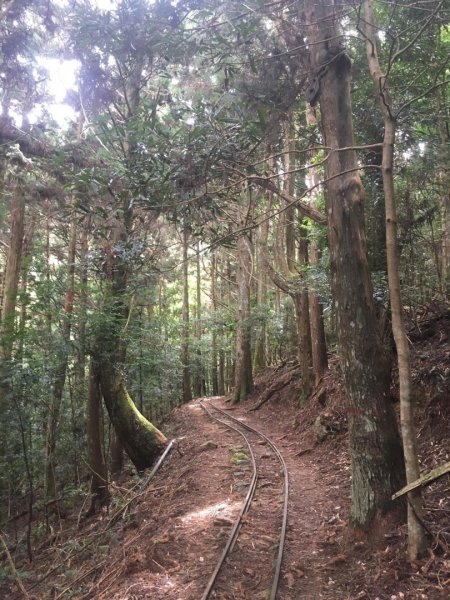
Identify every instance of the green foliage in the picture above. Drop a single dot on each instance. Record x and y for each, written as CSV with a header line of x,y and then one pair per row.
x,y
6,574
214,84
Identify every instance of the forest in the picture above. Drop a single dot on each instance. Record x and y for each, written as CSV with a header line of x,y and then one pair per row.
x,y
224,299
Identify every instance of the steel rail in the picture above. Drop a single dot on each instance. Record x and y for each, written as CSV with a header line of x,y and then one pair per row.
x,y
277,571
244,508
281,545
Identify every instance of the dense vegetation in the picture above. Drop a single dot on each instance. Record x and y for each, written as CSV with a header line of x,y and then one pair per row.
x,y
243,184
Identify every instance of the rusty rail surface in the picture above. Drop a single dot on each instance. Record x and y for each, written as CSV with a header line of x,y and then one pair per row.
x,y
248,500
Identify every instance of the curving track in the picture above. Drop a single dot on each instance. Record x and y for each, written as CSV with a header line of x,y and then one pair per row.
x,y
268,482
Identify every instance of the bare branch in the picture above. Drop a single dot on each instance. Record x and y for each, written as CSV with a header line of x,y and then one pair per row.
x,y
306,209
425,93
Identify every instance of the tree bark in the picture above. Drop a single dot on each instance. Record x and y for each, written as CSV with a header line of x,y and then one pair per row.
x,y
289,187
243,375
80,363
318,340
141,440
27,253
12,273
300,298
416,532
444,181
222,339
445,246
7,322
61,367
304,323
376,452
116,455
214,372
260,352
187,393
96,459
198,379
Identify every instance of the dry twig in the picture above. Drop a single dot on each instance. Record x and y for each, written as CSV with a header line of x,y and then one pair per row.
x,y
13,568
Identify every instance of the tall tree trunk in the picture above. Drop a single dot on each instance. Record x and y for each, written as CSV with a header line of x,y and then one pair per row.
x,y
222,370
230,357
141,440
260,352
222,338
243,375
445,245
444,181
214,372
116,455
7,323
12,273
289,216
96,459
198,379
300,293
27,255
318,340
61,367
187,393
80,363
23,312
306,361
416,532
375,447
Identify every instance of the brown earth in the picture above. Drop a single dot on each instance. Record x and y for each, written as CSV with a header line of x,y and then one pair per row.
x,y
161,539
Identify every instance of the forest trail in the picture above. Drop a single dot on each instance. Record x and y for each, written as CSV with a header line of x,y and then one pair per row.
x,y
258,541
161,538
192,519
176,528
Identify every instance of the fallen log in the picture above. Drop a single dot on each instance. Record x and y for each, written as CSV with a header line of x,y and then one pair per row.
x,y
424,480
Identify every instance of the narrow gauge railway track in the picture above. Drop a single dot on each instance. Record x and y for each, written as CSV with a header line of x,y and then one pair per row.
x,y
256,443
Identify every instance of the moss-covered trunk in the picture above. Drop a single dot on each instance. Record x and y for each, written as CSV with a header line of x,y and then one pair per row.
x,y
141,440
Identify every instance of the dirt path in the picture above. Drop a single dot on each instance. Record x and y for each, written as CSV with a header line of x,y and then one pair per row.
x,y
309,505
191,510
161,539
